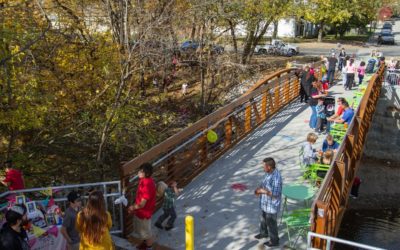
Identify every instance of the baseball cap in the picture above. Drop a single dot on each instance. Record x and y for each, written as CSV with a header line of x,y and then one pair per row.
x,y
73,196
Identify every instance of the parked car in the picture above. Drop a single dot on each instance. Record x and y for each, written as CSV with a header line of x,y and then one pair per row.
x,y
386,31
286,48
387,38
187,45
387,26
193,45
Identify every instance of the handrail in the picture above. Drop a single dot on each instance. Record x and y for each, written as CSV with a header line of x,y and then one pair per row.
x,y
329,239
331,200
186,154
111,190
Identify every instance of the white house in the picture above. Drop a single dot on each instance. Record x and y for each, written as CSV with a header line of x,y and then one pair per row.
x,y
287,27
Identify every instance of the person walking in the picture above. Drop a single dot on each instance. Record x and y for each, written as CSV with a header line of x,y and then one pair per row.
x,y
144,206
169,212
351,70
361,72
94,224
270,195
342,56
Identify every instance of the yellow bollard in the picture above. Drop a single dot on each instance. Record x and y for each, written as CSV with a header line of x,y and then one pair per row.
x,y
189,231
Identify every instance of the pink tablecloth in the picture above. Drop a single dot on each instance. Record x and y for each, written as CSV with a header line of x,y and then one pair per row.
x,y
51,240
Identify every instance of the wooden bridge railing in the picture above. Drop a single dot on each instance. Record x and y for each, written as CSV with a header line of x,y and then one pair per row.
x,y
186,154
331,201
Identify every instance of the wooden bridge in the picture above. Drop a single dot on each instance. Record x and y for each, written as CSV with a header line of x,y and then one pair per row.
x,y
186,155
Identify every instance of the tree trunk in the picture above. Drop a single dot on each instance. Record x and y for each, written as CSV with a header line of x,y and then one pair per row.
x,y
202,71
247,46
233,35
252,40
320,32
275,33
193,33
10,105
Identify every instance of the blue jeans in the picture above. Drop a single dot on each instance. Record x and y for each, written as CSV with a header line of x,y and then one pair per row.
x,y
331,75
360,79
328,126
313,118
168,212
269,227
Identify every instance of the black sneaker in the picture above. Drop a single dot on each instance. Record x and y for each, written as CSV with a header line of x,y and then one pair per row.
x,y
270,244
158,225
168,228
260,236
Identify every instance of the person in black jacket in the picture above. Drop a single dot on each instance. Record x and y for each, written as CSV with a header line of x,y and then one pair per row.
x,y
12,235
305,84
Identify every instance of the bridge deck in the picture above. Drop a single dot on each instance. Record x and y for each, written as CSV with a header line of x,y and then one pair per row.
x,y
227,218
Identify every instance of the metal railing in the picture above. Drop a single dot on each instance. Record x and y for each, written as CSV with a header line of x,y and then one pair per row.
x,y
186,154
393,77
331,200
330,239
111,191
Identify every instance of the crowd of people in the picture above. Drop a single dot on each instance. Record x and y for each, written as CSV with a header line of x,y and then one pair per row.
x,y
315,92
88,228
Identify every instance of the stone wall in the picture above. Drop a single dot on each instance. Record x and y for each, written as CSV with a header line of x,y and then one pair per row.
x,y
380,164
383,140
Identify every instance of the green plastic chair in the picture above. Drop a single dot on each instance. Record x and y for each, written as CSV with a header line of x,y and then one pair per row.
x,y
337,135
357,96
315,169
338,126
297,222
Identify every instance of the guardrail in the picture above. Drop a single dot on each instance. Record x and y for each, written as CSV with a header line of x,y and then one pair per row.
x,y
331,200
111,191
330,239
186,154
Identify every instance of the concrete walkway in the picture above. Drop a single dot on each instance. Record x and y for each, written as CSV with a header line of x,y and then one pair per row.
x,y
228,218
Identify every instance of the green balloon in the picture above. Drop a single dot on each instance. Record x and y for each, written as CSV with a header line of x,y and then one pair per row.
x,y
212,136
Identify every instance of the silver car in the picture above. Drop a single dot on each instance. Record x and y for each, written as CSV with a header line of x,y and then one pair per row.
x,y
387,38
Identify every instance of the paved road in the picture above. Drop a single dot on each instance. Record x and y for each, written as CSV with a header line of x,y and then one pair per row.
x,y
388,50
228,219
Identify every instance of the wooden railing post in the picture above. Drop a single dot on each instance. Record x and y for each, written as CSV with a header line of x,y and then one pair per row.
x,y
228,132
247,122
286,90
202,149
320,222
277,98
256,113
264,107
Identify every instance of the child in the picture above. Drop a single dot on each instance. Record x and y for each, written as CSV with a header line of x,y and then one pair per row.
x,y
329,144
68,229
320,115
361,72
309,153
327,157
169,194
